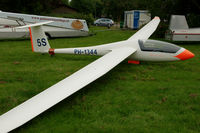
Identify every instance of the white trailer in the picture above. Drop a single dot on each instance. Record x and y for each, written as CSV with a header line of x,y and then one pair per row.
x,y
180,31
60,27
136,18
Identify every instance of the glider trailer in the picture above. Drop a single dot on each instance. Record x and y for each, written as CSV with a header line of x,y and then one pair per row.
x,y
180,31
60,27
136,48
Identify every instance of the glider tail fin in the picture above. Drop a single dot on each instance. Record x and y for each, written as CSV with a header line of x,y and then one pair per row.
x,y
39,40
178,22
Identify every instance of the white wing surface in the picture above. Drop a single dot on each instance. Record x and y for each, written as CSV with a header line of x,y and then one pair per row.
x,y
147,30
33,25
56,93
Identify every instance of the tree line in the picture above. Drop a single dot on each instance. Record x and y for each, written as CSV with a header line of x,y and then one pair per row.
x,y
106,8
31,7
116,8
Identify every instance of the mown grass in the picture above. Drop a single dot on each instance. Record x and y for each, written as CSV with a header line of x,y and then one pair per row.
x,y
150,97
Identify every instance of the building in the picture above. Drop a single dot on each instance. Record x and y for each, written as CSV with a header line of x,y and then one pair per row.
x,y
134,19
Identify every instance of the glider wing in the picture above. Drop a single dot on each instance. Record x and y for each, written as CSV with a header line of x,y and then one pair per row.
x,y
33,25
56,93
147,30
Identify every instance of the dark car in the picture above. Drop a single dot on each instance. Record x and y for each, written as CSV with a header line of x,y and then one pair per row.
x,y
104,22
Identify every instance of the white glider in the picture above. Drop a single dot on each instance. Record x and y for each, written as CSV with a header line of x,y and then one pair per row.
x,y
136,48
180,31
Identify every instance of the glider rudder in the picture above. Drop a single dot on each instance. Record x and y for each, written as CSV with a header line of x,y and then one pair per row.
x,y
39,40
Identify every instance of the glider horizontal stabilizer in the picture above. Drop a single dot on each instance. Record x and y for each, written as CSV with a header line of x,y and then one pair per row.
x,y
33,25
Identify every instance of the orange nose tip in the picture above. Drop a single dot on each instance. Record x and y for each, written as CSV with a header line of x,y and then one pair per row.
x,y
186,54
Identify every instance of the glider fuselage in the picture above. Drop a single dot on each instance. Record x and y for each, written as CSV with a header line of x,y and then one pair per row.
x,y
151,50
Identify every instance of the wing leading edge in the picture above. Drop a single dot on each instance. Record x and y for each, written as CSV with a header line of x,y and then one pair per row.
x,y
56,93
147,30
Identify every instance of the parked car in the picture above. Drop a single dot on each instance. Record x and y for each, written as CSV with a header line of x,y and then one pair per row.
x,y
104,22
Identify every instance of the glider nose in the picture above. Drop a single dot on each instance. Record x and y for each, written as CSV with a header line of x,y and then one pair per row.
x,y
186,54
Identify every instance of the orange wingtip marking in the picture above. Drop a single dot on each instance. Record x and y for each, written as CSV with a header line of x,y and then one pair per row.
x,y
133,62
31,38
186,54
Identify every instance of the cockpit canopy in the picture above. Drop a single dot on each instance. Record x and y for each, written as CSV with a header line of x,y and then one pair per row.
x,y
158,46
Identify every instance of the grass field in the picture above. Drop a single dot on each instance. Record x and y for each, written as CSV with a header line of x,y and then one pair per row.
x,y
150,97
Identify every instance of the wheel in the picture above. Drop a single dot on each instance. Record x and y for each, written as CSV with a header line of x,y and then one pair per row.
x,y
108,26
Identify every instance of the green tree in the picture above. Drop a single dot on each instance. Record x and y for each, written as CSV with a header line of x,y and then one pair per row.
x,y
32,7
84,6
107,8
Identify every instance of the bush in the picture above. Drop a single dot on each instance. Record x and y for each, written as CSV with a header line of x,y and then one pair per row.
x,y
193,20
161,30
